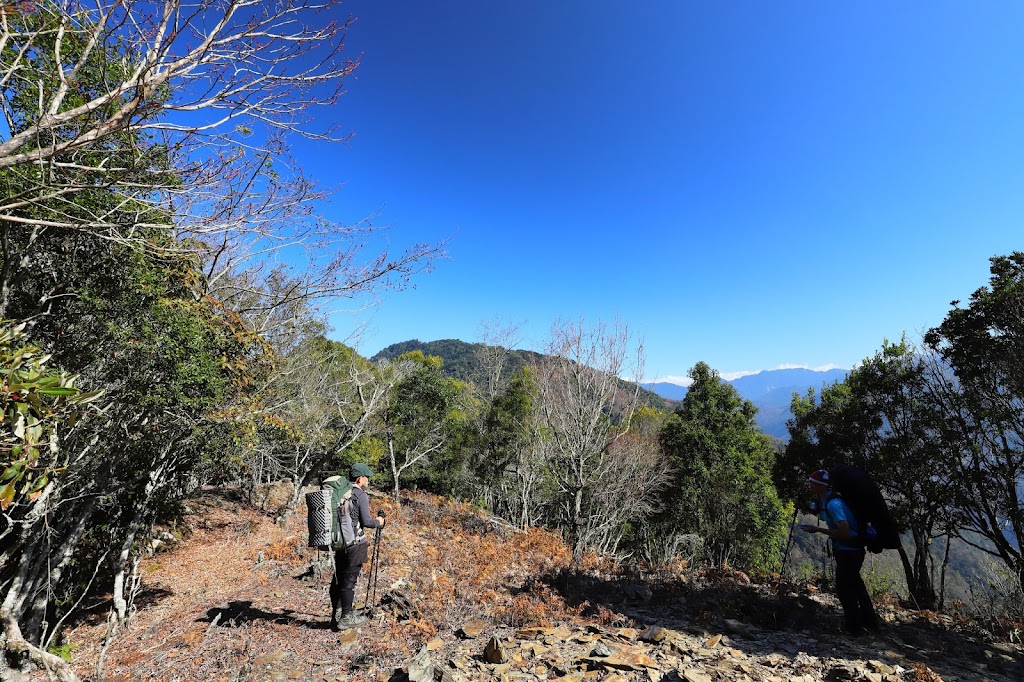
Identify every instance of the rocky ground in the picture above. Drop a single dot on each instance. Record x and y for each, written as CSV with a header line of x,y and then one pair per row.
x,y
463,597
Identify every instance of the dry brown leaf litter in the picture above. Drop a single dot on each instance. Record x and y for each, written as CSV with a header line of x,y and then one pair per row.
x,y
240,598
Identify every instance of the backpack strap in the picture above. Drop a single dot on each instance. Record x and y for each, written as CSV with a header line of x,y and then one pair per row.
x,y
357,518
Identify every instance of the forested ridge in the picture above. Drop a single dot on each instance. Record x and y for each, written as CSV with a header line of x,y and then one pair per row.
x,y
467,362
461,360
164,293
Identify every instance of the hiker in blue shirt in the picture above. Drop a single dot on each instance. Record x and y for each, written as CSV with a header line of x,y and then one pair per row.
x,y
841,528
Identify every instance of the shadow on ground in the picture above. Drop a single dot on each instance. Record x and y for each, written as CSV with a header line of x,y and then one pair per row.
x,y
783,607
95,608
238,613
728,602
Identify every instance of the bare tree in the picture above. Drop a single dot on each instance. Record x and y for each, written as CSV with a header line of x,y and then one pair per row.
x,y
498,340
234,59
179,112
519,496
330,396
634,472
166,79
586,408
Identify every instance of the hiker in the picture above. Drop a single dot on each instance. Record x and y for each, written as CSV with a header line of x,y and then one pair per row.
x,y
349,561
841,529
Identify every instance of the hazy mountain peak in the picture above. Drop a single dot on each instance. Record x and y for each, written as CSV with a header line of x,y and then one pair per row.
x,y
770,390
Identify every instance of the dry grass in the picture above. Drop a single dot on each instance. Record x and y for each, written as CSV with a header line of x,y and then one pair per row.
x,y
232,601
243,599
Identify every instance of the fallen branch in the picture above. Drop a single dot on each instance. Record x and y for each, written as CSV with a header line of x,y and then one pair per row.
x,y
498,521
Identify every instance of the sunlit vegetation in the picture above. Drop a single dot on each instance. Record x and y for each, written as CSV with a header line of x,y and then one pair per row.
x,y
147,353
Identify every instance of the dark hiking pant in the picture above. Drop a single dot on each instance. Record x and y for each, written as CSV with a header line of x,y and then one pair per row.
x,y
347,564
857,606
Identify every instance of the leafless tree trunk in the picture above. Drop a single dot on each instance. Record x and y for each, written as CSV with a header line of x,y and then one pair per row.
x,y
330,396
401,458
14,643
498,340
942,571
586,408
517,496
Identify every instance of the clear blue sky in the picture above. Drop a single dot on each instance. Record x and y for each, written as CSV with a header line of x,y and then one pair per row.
x,y
749,184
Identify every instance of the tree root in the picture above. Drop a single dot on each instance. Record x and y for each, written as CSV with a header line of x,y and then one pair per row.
x,y
16,647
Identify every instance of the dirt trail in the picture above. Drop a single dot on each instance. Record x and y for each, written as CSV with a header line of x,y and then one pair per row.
x,y
241,598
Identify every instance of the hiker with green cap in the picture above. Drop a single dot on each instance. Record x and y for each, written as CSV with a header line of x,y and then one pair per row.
x,y
348,561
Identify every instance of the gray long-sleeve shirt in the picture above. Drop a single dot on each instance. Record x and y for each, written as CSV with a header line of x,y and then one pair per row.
x,y
362,503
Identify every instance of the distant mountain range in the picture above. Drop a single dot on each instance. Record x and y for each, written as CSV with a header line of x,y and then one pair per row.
x,y
771,390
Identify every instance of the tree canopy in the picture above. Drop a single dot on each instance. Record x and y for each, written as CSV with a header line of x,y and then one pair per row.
x,y
722,490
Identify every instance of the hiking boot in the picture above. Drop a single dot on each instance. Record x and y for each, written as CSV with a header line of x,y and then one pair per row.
x,y
336,615
351,620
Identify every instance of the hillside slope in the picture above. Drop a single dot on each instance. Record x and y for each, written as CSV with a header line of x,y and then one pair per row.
x,y
241,598
462,361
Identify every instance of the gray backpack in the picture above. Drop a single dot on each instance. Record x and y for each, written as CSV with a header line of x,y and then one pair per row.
x,y
334,501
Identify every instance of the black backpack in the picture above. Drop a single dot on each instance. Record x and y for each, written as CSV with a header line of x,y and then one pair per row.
x,y
876,528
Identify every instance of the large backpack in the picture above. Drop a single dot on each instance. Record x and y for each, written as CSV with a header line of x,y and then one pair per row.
x,y
334,502
876,528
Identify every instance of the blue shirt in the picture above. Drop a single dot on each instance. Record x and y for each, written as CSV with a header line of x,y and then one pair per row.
x,y
835,510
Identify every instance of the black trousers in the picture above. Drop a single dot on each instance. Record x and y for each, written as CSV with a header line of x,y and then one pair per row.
x,y
347,564
853,595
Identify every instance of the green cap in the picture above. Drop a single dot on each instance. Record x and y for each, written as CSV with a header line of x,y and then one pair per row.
x,y
359,469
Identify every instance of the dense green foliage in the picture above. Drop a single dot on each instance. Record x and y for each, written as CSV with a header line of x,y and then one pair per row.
x,y
130,324
940,429
38,406
722,489
127,325
980,391
418,420
508,426
127,385
881,419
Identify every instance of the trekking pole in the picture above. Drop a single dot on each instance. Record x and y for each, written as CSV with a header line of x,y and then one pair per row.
x,y
376,563
789,543
371,576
